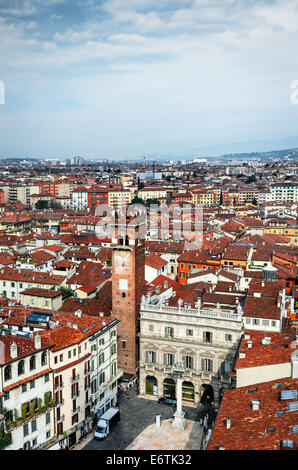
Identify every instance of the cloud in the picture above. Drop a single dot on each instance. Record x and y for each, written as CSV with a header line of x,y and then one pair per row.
x,y
199,70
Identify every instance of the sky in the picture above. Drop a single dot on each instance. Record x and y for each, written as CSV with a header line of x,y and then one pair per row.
x,y
122,79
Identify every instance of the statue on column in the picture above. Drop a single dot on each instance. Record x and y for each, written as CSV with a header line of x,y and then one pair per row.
x,y
198,304
179,420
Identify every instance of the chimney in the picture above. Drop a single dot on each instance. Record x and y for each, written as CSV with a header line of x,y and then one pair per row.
x,y
104,323
228,423
75,327
221,448
242,355
263,284
37,341
255,404
13,350
166,284
157,290
101,314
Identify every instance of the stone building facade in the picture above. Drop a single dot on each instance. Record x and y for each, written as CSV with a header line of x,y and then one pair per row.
x,y
205,339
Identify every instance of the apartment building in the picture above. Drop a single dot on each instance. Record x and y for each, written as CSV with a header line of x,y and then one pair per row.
x,y
284,192
14,281
79,198
119,197
26,386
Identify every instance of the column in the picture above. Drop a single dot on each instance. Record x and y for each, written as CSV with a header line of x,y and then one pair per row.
x,y
179,420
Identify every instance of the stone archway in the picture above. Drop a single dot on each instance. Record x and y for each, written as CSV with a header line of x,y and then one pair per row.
x,y
207,394
151,385
188,391
169,388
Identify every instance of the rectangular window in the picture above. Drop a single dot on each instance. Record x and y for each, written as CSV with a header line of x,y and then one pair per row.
x,y
32,383
48,418
25,430
151,327
102,378
69,354
168,359
228,337
207,365
189,332
188,362
169,332
24,388
207,337
151,357
33,425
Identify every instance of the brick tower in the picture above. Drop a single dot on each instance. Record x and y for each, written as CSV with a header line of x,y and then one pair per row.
x,y
128,281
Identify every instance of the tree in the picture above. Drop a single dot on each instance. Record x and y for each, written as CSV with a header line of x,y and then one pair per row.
x,y
150,202
137,200
42,204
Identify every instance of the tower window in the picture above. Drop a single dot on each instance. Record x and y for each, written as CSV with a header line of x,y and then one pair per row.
x,y
123,344
123,295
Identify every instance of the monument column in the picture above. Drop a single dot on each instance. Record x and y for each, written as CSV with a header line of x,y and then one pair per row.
x,y
179,420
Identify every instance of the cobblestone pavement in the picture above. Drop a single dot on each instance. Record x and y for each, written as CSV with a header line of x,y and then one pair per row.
x,y
136,414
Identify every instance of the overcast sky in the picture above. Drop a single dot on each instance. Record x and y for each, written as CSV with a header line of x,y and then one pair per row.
x,y
126,78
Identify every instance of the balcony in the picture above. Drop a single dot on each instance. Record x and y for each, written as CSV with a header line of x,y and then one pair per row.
x,y
59,403
58,386
87,371
74,378
76,410
60,419
75,394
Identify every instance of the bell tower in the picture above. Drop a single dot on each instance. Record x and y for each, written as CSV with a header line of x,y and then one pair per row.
x,y
128,281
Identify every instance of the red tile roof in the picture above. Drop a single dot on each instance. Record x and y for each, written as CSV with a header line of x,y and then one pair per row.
x,y
261,429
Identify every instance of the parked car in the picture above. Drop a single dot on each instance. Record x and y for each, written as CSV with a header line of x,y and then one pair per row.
x,y
167,401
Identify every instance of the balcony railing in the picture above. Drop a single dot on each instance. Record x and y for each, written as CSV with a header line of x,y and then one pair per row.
x,y
75,394
59,385
60,419
59,403
76,410
74,378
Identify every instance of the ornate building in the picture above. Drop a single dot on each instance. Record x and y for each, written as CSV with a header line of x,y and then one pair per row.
x,y
206,339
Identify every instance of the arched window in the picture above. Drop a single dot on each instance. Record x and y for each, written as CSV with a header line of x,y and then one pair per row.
x,y
44,358
32,362
21,367
7,372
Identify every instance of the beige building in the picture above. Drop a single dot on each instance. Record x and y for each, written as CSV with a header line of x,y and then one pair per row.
x,y
205,339
42,298
119,197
